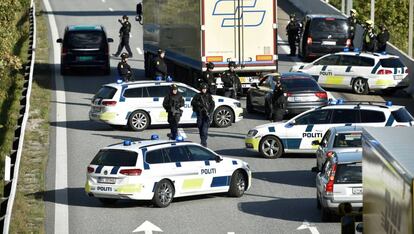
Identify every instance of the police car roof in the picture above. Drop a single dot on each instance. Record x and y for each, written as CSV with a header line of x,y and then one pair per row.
x,y
145,82
136,145
366,54
348,157
315,16
344,129
291,75
365,105
85,27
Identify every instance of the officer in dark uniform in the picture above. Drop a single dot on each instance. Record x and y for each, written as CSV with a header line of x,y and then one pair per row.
x,y
139,13
279,102
209,79
352,22
292,31
369,39
124,36
160,66
383,37
231,81
124,70
172,104
203,105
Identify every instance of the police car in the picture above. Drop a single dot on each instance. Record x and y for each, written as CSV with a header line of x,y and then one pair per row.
x,y
359,71
139,104
160,170
297,134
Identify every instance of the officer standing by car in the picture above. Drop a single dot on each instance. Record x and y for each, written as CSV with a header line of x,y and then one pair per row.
x,y
124,36
231,81
124,70
383,37
209,79
292,31
172,104
279,102
203,105
352,22
369,39
160,67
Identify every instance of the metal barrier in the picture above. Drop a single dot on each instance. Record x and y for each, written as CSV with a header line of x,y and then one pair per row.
x,y
12,162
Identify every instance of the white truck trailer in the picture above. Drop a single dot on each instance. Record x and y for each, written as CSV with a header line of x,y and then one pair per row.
x,y
195,32
388,176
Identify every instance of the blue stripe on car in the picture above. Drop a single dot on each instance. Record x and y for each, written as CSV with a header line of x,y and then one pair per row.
x,y
207,163
178,164
374,70
114,170
121,97
324,67
155,99
146,165
309,128
390,120
348,69
220,181
293,143
271,129
99,169
234,162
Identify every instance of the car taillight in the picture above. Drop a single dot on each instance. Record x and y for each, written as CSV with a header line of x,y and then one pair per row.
x,y
322,95
384,72
288,94
131,172
64,51
91,169
330,185
348,43
309,41
109,103
329,154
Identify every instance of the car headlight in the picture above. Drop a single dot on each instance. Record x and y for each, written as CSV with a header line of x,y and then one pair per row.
x,y
238,104
252,133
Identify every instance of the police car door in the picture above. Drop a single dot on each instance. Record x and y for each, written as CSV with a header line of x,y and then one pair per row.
x,y
188,115
347,69
327,74
154,95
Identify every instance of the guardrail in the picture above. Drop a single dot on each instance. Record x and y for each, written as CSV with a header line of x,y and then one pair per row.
x,y
321,7
12,162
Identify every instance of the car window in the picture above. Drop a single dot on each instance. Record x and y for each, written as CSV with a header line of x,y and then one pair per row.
x,y
370,116
345,116
198,153
314,117
116,158
348,60
177,154
156,156
84,39
158,91
344,140
391,62
133,93
329,60
364,61
105,92
349,173
186,92
325,138
322,27
402,115
300,85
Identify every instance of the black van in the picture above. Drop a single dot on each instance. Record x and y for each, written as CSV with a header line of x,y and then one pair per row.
x,y
323,34
85,46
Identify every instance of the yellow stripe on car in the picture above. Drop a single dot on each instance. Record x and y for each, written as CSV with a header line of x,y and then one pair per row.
x,y
163,114
334,80
193,183
254,142
107,116
87,187
383,82
129,188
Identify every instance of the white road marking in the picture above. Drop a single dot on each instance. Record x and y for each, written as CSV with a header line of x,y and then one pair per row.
x,y
110,9
147,227
182,133
139,50
312,228
61,177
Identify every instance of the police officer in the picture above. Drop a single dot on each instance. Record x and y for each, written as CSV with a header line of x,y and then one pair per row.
x,y
352,22
369,39
124,70
124,36
383,37
231,81
139,13
160,67
279,103
292,31
203,105
209,79
172,104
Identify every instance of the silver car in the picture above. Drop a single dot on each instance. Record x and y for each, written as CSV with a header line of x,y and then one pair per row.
x,y
340,180
337,139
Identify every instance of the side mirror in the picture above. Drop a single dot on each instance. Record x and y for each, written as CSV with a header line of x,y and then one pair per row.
x,y
219,158
59,40
110,40
254,85
315,169
316,142
360,227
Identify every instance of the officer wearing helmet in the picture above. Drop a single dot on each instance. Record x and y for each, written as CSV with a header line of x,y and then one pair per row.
x,y
160,67
292,31
369,39
203,105
231,81
383,37
124,70
124,36
352,22
172,104
209,79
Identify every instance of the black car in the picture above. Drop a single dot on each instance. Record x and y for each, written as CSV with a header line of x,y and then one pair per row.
x,y
302,91
85,46
323,34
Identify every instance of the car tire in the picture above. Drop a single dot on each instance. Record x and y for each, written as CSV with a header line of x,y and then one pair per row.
x,y
139,120
223,117
238,184
108,201
163,194
271,147
360,86
249,105
325,215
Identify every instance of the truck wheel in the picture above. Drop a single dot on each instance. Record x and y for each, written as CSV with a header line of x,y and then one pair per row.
x,y
249,106
163,194
237,185
139,120
271,147
223,117
360,86
325,215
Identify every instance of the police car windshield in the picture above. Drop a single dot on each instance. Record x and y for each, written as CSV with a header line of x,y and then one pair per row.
x,y
344,140
300,85
391,62
402,115
105,93
322,27
349,173
116,158
84,39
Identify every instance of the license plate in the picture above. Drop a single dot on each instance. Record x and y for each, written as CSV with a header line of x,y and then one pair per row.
x,y
329,43
106,180
304,99
246,85
398,77
357,191
85,58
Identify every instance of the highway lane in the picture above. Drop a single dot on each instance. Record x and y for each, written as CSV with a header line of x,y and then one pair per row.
x,y
282,195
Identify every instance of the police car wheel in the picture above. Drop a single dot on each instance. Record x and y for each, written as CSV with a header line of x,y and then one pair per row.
x,y
360,86
237,184
271,147
139,120
163,194
223,117
249,105
107,201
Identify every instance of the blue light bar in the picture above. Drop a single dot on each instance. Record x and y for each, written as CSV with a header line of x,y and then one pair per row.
x,y
155,137
388,103
179,138
127,142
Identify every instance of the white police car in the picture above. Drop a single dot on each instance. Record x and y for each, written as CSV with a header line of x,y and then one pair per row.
x,y
138,104
160,170
359,71
297,134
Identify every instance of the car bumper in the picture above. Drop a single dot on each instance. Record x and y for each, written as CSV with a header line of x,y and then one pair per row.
x,y
334,205
318,50
123,191
386,83
107,117
252,143
238,114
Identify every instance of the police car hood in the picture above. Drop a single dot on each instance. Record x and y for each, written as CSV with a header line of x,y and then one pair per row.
x,y
275,125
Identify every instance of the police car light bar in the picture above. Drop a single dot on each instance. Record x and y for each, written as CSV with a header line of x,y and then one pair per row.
x,y
155,137
388,103
127,142
169,79
356,50
119,81
179,138
158,78
346,49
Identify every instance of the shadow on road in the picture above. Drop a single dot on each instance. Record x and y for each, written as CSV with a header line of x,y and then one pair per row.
x,y
240,152
296,178
82,125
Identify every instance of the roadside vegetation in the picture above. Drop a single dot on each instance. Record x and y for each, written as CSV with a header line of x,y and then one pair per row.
x,y
393,14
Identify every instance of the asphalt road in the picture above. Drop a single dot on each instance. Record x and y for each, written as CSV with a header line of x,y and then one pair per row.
x,y
281,198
